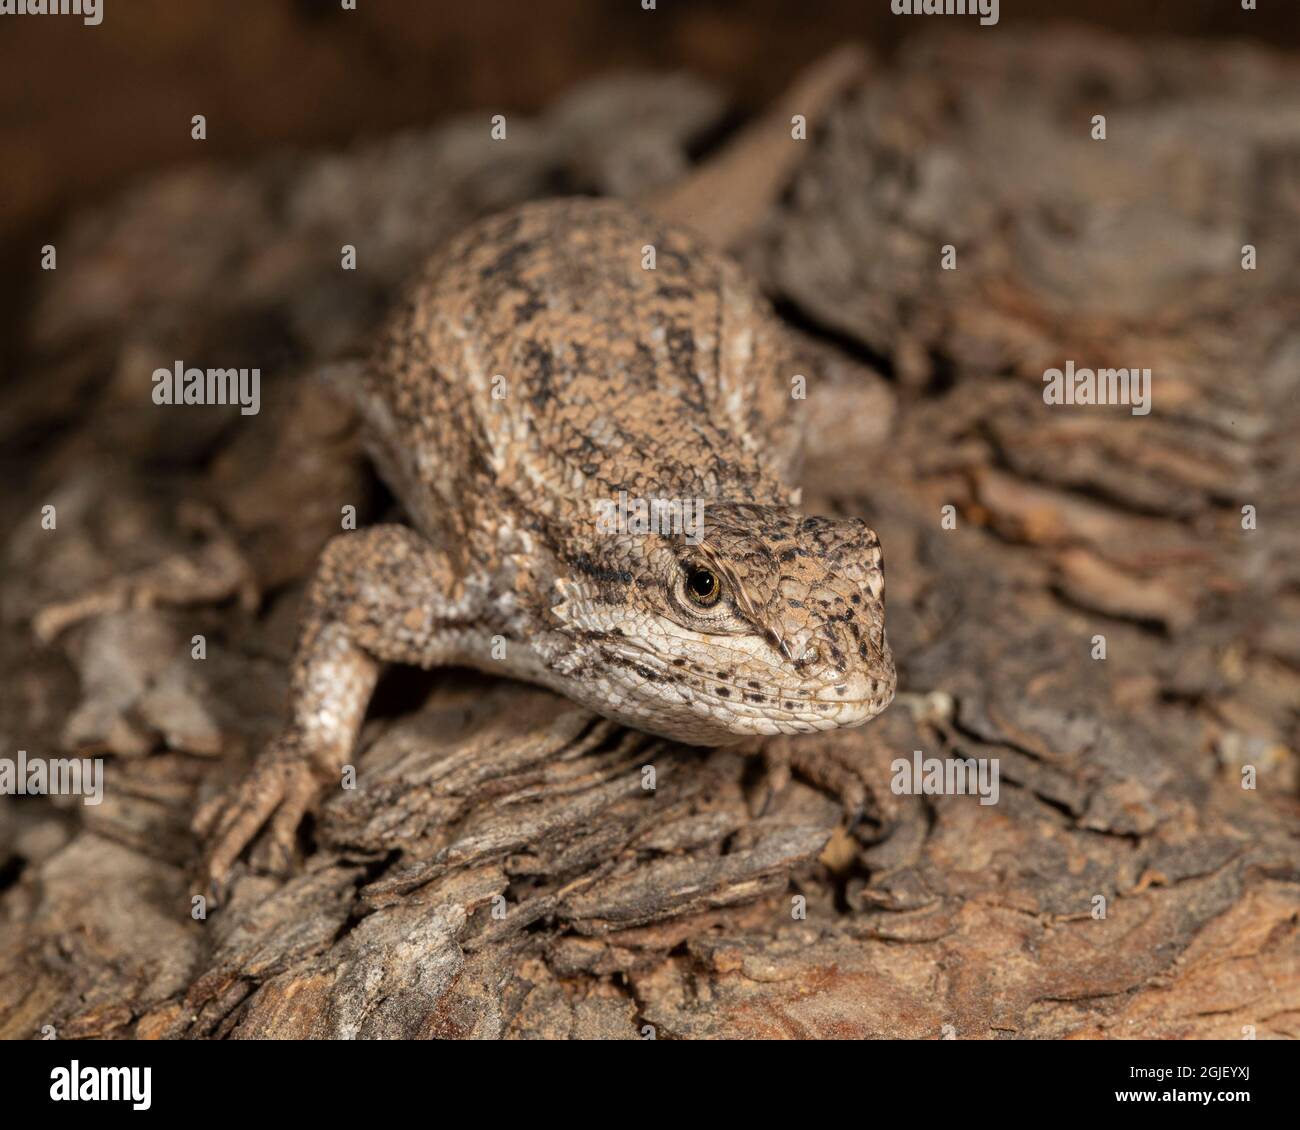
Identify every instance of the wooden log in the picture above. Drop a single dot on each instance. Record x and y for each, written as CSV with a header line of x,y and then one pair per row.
x,y
500,870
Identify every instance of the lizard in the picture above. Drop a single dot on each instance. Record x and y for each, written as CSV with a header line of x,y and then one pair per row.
x,y
533,372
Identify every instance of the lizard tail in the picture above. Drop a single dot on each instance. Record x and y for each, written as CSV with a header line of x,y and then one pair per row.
x,y
726,198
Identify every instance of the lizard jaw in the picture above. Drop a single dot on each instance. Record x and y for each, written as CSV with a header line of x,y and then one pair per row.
x,y
689,704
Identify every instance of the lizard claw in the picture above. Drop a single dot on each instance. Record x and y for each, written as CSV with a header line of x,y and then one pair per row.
x,y
282,787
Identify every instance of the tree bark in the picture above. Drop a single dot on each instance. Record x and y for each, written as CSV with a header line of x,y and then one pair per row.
x,y
500,869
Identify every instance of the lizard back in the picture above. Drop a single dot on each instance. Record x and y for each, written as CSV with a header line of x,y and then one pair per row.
x,y
539,363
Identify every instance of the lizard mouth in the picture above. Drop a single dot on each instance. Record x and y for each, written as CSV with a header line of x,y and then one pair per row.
x,y
804,714
703,705
859,688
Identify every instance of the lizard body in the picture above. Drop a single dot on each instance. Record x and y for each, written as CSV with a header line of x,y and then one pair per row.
x,y
664,384
536,370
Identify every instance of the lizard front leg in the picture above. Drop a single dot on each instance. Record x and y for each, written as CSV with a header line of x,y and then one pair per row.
x,y
383,594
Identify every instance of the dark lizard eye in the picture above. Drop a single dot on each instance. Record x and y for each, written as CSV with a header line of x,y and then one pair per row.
x,y
703,586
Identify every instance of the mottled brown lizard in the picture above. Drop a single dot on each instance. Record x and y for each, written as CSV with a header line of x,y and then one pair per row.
x,y
536,369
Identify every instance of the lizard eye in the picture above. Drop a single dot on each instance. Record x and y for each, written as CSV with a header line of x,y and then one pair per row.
x,y
702,586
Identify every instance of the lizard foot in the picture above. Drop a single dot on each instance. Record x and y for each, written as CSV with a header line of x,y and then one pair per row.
x,y
819,767
278,792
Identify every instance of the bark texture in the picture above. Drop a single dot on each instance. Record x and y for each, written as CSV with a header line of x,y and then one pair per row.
x,y
500,870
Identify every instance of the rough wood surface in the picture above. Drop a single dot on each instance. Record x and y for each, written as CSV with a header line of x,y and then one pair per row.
x,y
675,908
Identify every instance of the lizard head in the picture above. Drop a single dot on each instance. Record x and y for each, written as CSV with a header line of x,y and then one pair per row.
x,y
765,622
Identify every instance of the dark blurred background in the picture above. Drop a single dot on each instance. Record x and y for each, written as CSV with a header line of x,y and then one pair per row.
x,y
84,109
